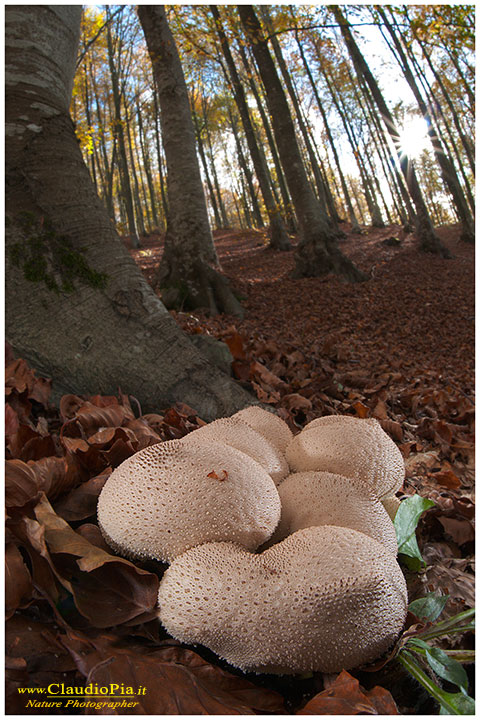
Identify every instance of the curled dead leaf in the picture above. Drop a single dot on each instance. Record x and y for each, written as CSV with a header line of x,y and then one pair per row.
x,y
177,680
345,697
18,583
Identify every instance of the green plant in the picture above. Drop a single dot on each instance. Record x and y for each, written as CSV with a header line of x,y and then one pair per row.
x,y
416,653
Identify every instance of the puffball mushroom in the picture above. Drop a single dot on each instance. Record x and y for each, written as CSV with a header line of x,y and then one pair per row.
x,y
236,433
172,496
323,599
272,427
311,499
352,447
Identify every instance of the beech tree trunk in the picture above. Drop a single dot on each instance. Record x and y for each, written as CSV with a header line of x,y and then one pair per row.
x,y
77,307
429,241
447,169
278,234
318,253
188,275
120,136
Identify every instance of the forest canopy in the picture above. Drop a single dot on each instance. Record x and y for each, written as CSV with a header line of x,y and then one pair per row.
x,y
420,55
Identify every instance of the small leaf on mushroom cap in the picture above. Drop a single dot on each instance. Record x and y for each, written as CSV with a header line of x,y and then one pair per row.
x,y
323,599
313,498
351,447
238,434
172,496
272,427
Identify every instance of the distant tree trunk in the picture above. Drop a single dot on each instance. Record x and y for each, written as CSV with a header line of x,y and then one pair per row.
x,y
467,144
278,234
351,213
322,191
440,117
122,152
246,172
109,331
201,151
161,177
88,117
211,156
429,241
108,166
148,167
282,186
406,211
133,170
373,209
448,173
318,252
187,273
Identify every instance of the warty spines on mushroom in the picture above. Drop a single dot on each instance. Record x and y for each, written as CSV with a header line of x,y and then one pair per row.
x,y
172,496
352,447
323,599
314,498
268,424
233,431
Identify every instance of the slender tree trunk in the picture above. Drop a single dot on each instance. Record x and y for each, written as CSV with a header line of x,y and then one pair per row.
x,y
133,170
447,170
246,172
319,182
278,234
318,252
88,117
108,169
351,213
187,274
429,241
148,167
467,145
437,112
282,186
161,176
122,152
109,330
211,157
201,151
375,215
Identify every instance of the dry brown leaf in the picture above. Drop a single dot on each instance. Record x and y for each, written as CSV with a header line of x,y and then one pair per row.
x,y
345,697
81,502
18,583
107,590
177,680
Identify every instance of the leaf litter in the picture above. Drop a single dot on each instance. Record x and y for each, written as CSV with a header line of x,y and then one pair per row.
x,y
397,348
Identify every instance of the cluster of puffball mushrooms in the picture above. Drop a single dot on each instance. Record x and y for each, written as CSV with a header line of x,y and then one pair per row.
x,y
324,593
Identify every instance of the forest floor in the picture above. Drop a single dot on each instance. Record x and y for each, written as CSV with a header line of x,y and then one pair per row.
x,y
398,347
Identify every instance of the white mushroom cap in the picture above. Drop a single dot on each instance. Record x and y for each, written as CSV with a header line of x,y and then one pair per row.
x,y
324,599
312,498
172,496
352,447
236,433
272,427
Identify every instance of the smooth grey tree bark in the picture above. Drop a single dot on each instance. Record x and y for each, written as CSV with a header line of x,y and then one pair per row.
x,y
77,307
189,272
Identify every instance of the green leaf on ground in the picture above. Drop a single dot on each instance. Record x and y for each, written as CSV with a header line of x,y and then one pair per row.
x,y
429,607
406,521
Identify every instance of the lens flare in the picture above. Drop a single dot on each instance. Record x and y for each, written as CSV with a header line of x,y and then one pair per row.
x,y
413,137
